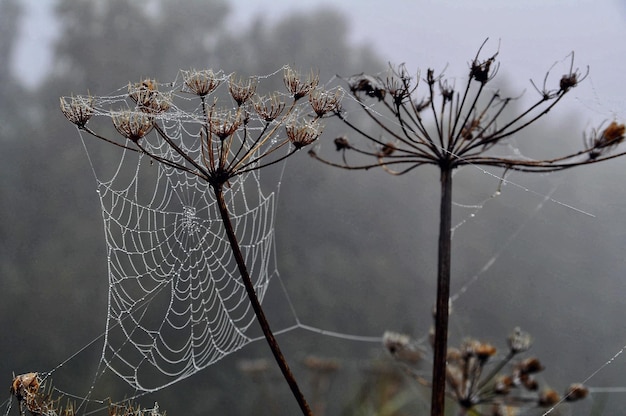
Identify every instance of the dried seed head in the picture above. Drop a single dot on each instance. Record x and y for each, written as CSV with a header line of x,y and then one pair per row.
x,y
612,135
529,382
503,385
568,81
132,125
148,97
519,341
447,91
529,366
301,134
25,385
482,71
224,124
342,143
576,391
484,351
298,87
368,84
201,82
241,90
548,398
475,348
269,108
324,102
400,347
77,109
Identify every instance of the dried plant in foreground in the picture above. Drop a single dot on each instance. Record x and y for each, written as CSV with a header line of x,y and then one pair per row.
x,y
485,382
246,133
430,122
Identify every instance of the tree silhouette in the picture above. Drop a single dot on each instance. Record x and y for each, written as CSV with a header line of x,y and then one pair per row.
x,y
450,128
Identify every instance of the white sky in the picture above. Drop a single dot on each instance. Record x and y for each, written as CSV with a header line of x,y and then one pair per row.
x,y
533,34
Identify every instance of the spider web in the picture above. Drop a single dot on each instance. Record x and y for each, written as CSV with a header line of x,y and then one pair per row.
x,y
176,300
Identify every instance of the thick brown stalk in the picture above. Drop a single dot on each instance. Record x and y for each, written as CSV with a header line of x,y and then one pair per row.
x,y
256,305
443,294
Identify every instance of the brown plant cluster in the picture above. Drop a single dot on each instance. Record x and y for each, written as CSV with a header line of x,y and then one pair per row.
x,y
429,120
33,397
482,379
241,135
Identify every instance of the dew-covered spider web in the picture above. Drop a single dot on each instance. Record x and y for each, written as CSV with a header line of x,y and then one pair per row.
x,y
176,303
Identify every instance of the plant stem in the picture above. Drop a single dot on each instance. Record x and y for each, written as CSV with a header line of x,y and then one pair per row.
x,y
256,305
443,294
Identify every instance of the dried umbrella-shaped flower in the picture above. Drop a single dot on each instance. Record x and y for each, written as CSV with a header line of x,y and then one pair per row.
x,y
132,125
201,83
241,90
461,127
302,134
77,109
269,108
148,98
296,85
508,383
324,102
232,143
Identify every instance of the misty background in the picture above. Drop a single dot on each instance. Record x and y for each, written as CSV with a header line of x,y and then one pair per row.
x,y
356,250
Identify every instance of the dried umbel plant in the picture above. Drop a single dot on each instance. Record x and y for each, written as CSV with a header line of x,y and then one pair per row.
x,y
229,138
482,380
430,121
38,400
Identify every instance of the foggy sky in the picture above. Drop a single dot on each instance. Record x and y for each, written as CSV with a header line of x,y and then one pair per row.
x,y
532,34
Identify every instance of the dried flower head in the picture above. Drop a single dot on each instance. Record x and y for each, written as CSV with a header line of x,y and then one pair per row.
x,y
324,102
480,350
576,391
529,366
132,124
24,385
503,385
298,87
148,97
303,133
548,398
224,124
77,109
612,135
341,143
371,86
519,341
400,347
241,90
269,108
201,82
483,71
